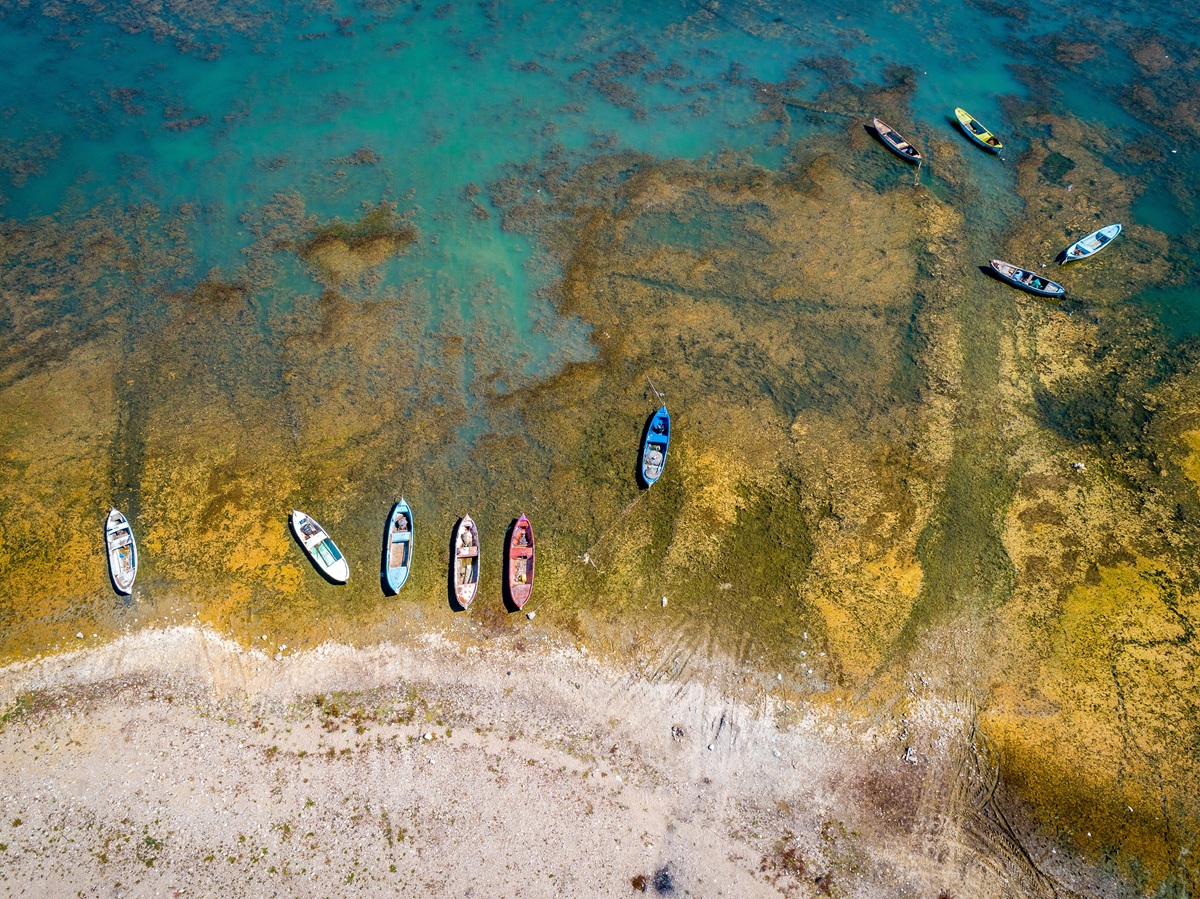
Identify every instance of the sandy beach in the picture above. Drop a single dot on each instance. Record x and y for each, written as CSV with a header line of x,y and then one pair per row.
x,y
174,763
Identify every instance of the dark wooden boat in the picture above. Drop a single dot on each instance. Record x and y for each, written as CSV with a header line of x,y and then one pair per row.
x,y
1027,280
398,546
976,132
466,561
654,449
518,572
1090,245
896,143
122,551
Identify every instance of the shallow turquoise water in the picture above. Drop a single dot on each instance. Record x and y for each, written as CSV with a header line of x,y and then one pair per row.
x,y
269,98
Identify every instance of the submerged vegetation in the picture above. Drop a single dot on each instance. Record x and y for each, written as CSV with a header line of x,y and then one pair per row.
x,y
340,251
889,476
823,512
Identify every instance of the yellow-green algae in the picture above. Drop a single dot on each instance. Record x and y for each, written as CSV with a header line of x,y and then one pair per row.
x,y
871,461
1093,692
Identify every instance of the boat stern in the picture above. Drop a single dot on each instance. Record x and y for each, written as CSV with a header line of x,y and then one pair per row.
x,y
339,571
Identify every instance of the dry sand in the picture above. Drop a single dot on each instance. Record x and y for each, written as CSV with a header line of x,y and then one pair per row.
x,y
175,763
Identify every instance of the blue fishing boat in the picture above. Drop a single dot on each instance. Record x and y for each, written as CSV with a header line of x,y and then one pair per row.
x,y
654,449
398,546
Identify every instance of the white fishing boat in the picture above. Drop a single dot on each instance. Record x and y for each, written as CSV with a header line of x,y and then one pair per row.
x,y
122,551
1090,245
320,547
465,561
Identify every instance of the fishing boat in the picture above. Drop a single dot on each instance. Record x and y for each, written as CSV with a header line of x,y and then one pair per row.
x,y
972,129
398,546
1027,280
896,143
518,573
466,561
122,551
654,449
1090,245
320,548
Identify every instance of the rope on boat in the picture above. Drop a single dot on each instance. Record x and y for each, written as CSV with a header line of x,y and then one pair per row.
x,y
586,557
661,398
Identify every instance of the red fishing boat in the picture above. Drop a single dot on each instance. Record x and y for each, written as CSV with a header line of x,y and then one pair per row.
x,y
518,573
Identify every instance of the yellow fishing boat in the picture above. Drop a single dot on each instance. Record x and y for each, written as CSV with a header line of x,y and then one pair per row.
x,y
972,129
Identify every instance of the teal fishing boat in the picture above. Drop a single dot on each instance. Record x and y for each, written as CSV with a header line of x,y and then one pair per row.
x,y
398,546
654,447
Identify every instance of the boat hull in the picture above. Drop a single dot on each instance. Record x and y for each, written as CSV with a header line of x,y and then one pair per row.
x,y
897,144
398,539
464,562
1036,284
1090,245
320,547
654,446
518,570
974,130
122,552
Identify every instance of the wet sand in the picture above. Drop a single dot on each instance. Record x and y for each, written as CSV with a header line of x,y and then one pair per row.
x,y
173,762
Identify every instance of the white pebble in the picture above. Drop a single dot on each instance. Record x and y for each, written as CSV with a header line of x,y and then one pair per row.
x,y
711,747
79,636
530,615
